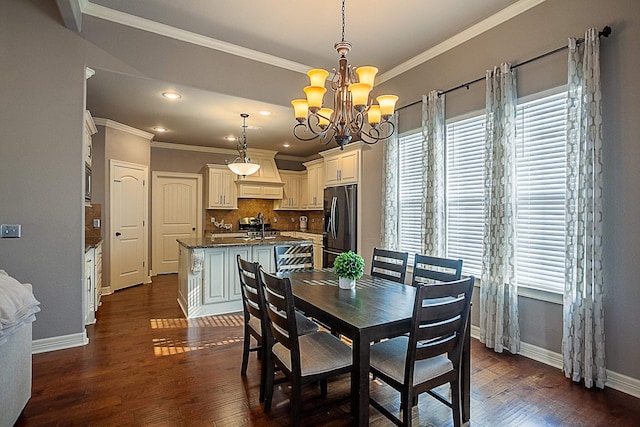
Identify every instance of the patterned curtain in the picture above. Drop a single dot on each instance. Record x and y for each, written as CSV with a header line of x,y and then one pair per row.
x,y
583,325
390,174
499,327
433,174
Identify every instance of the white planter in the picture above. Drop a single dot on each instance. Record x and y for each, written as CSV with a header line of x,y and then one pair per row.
x,y
345,283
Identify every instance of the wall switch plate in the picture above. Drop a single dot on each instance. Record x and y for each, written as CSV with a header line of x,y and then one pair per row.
x,y
96,223
7,230
213,220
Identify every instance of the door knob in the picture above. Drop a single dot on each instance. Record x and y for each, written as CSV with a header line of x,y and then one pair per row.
x,y
118,233
193,229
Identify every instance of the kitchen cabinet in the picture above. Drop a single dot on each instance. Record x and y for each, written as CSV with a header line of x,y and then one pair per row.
x,y
315,184
93,282
293,192
342,166
89,130
220,187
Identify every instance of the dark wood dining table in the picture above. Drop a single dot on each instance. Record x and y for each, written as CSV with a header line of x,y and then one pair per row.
x,y
377,308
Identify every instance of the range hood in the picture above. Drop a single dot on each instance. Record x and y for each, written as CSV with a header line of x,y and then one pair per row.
x,y
264,184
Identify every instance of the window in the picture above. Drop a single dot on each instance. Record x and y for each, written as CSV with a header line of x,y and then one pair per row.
x,y
410,189
541,185
465,192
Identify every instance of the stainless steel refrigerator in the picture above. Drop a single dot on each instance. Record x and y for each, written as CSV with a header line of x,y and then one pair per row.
x,y
340,226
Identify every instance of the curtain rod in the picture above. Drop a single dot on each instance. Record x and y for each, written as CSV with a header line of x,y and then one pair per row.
x,y
606,32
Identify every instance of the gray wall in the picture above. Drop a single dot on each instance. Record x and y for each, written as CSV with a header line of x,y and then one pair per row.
x,y
539,30
41,164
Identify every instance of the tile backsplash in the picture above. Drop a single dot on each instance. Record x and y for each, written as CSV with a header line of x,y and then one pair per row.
x,y
280,220
92,212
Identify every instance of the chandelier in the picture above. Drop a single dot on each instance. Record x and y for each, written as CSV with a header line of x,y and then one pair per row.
x,y
242,164
354,114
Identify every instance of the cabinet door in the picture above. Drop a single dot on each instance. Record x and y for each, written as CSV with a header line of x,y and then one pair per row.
x,y
317,255
215,275
235,290
287,190
315,187
332,170
349,167
263,254
303,192
216,185
228,189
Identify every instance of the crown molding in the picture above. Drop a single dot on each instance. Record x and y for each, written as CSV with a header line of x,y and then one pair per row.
x,y
139,23
197,148
462,37
120,126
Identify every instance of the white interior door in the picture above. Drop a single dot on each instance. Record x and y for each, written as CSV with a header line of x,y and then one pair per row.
x,y
129,201
176,199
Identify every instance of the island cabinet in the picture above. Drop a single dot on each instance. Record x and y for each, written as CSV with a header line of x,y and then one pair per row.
x,y
208,274
293,191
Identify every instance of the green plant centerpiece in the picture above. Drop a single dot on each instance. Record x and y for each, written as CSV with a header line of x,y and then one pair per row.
x,y
348,266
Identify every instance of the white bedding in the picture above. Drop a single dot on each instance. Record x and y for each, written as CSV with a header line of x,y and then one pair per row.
x,y
18,306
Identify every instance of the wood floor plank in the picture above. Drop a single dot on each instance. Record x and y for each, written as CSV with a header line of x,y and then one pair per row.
x,y
146,365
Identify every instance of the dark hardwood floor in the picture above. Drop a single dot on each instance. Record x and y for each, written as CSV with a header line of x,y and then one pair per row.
x,y
146,365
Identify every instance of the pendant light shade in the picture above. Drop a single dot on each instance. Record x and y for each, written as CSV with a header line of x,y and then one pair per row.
x,y
242,164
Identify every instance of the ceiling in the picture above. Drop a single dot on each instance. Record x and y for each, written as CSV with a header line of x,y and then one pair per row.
x,y
248,27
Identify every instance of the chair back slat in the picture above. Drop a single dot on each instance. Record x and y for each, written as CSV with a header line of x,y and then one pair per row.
x,y
293,257
440,318
428,269
252,298
390,265
281,312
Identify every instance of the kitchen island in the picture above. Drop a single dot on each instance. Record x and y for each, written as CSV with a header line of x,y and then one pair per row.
x,y
208,274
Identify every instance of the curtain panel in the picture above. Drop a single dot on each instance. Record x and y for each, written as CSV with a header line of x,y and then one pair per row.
x,y
583,343
499,327
390,185
433,175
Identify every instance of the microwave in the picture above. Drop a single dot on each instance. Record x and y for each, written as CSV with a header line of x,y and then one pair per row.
x,y
87,183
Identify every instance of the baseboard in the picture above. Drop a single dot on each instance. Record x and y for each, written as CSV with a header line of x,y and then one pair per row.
x,y
616,381
61,342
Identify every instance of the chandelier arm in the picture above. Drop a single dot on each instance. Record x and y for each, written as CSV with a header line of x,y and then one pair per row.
x,y
305,129
377,137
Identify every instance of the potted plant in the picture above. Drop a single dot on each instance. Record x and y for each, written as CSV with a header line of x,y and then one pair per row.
x,y
348,266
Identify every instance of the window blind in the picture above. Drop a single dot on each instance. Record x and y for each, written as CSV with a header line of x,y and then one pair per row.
x,y
410,193
465,194
541,187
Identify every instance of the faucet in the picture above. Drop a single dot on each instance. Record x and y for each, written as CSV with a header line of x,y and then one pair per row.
x,y
261,219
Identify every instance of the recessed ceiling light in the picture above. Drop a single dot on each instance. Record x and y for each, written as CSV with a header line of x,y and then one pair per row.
x,y
230,138
172,95
264,113
286,144
160,129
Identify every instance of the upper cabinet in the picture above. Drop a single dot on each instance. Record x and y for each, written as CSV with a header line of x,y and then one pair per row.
x,y
220,187
315,184
293,192
342,166
89,130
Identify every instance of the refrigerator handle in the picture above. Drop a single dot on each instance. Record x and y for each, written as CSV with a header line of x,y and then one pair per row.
x,y
334,202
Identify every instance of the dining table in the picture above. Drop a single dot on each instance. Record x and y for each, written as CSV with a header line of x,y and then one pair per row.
x,y
375,309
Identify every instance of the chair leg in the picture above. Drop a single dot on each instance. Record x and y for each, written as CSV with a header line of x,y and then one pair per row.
x,y
245,351
406,405
296,399
456,403
323,387
268,385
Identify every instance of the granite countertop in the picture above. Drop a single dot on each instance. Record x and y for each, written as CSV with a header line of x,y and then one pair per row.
x,y
91,242
200,242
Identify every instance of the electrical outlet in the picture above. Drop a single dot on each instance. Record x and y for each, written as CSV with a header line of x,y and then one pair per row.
x,y
96,223
7,230
213,220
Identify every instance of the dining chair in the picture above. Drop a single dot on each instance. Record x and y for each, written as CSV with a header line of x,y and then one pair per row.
x,y
390,265
302,358
255,319
293,257
429,269
432,353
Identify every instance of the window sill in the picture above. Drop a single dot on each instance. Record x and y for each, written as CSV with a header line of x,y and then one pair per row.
x,y
535,293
